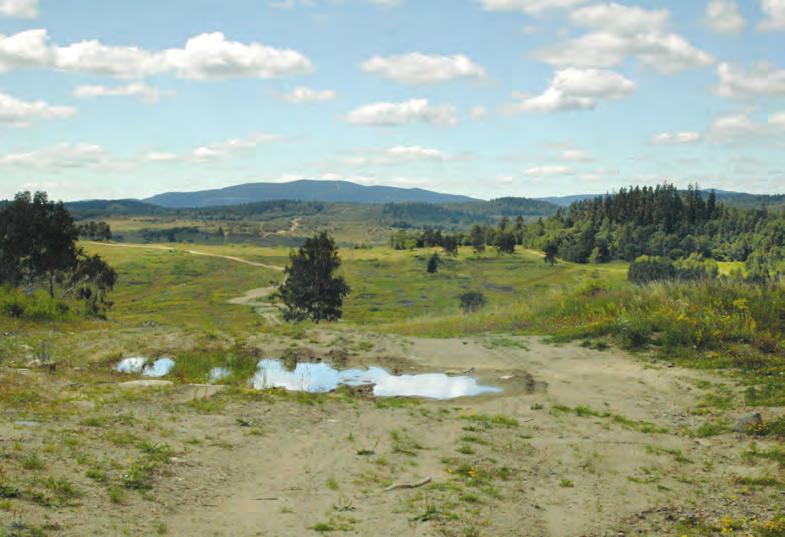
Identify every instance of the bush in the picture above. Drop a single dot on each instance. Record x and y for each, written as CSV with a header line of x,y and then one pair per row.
x,y
36,307
646,269
472,301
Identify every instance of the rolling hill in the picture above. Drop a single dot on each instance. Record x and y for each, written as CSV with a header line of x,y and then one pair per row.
x,y
303,190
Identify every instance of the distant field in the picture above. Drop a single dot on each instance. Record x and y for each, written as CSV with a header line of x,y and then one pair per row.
x,y
388,286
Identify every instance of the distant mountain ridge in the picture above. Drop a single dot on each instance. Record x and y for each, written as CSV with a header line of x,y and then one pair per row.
x,y
302,190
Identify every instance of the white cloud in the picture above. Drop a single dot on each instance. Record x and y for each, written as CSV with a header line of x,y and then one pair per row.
x,y
204,57
417,68
291,4
16,112
576,89
387,114
620,19
399,155
478,112
777,120
25,49
549,171
83,155
232,147
97,58
723,16
619,32
576,155
775,12
531,7
739,127
212,57
762,80
676,138
143,92
58,156
666,53
23,9
304,94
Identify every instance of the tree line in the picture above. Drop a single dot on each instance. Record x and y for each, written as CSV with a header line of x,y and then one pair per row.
x,y
38,250
666,223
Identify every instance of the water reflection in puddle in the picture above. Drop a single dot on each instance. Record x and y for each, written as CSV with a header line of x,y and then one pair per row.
x,y
141,365
217,374
319,378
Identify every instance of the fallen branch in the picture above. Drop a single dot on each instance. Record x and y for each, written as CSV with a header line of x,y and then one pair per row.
x,y
409,485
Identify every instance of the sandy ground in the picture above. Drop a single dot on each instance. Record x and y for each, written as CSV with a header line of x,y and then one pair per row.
x,y
516,464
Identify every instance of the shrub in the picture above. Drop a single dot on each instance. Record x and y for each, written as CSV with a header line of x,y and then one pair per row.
x,y
472,301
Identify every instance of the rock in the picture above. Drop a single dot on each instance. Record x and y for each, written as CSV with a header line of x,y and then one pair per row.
x,y
34,364
193,392
136,384
748,423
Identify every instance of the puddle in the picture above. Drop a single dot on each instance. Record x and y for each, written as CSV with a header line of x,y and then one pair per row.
x,y
217,374
141,365
320,378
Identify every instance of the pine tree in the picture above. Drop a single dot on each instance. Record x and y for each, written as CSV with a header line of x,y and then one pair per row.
x,y
310,289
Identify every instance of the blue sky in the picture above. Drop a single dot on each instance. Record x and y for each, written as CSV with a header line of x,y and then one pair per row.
x,y
480,97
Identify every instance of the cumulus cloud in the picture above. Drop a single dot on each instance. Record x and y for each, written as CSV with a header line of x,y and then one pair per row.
x,y
531,7
23,9
212,57
775,15
738,127
762,80
17,112
304,94
140,91
388,114
723,16
576,89
417,68
25,49
676,138
204,57
620,19
618,32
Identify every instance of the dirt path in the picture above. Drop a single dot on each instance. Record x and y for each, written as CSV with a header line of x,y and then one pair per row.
x,y
581,443
564,472
192,252
256,298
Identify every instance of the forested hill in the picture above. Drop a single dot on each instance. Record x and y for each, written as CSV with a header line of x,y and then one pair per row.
x,y
663,221
303,190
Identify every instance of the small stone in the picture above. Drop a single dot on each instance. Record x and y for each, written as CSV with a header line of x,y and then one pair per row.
x,y
135,384
748,422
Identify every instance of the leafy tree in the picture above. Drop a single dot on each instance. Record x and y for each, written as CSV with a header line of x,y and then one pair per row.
x,y
38,247
450,245
505,242
477,238
92,281
433,264
551,249
310,289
